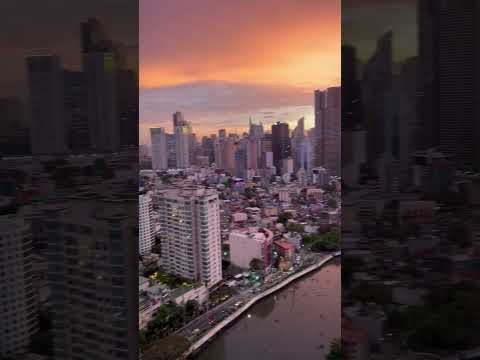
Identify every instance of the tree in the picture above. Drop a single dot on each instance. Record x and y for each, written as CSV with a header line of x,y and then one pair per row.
x,y
283,218
168,348
192,308
328,242
256,264
332,203
168,318
311,239
299,228
142,339
336,350
229,183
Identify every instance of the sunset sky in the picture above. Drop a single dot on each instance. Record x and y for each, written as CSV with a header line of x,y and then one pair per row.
x,y
220,62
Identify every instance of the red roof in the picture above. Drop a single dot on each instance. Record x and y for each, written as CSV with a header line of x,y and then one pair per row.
x,y
284,244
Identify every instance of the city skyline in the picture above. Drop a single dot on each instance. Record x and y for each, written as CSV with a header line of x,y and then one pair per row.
x,y
235,67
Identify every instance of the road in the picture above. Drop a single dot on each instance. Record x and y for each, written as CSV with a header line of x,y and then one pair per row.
x,y
217,313
223,310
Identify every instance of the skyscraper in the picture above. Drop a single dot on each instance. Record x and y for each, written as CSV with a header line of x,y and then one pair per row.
x,y
18,306
222,134
331,139
281,145
190,233
253,147
48,126
90,256
171,151
377,97
208,148
102,64
298,137
255,130
328,128
182,132
103,122
178,119
266,148
127,104
450,63
320,104
241,159
75,116
146,230
228,148
158,139
92,34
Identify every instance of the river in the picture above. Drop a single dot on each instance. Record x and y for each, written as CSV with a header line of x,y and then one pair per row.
x,y
298,322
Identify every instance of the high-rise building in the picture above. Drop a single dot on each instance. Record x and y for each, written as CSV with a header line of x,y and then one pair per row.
x,y
190,233
241,160
208,148
222,134
111,91
93,290
92,34
253,146
218,145
228,148
75,116
193,148
146,229
377,97
281,145
328,129
18,306
100,70
299,131
178,119
255,130
182,131
48,126
320,105
304,155
287,166
158,139
331,137
171,151
266,147
298,137
268,160
127,105
449,68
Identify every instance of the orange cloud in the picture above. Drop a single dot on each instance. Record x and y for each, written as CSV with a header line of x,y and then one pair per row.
x,y
296,42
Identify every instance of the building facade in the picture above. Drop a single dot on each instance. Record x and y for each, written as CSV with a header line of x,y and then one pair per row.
x,y
190,233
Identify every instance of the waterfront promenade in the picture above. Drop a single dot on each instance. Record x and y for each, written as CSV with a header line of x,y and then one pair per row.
x,y
211,333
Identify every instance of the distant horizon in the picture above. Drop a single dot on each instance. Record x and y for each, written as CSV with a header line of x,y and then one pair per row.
x,y
235,64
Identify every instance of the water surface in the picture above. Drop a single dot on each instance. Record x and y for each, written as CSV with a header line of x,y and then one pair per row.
x,y
298,322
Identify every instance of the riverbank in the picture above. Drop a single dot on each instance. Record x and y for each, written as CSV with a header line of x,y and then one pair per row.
x,y
208,336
